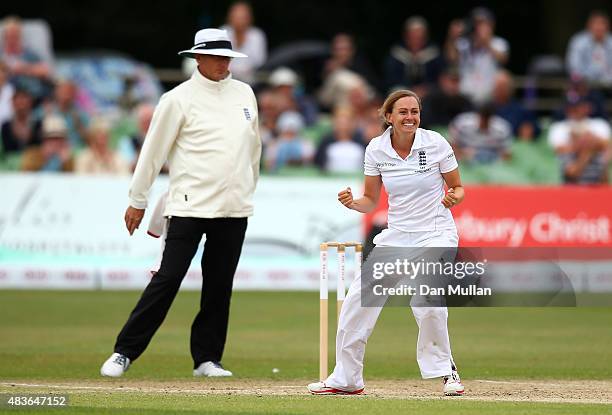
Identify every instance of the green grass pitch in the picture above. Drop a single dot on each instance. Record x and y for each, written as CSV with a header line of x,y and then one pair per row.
x,y
56,336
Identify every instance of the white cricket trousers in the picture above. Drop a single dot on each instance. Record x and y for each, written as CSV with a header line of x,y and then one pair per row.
x,y
356,324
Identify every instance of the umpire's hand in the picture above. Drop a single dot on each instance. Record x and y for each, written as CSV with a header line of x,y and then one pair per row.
x,y
133,217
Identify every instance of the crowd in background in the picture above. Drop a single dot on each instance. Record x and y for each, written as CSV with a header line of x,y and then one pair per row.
x,y
466,91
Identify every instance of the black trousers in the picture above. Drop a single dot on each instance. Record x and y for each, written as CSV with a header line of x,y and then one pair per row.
x,y
224,238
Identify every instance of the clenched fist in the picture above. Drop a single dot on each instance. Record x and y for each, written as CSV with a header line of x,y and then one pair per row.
x,y
346,197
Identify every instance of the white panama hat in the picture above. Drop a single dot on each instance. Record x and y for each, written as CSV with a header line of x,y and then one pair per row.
x,y
212,42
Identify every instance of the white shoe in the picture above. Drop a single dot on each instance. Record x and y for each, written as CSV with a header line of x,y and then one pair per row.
x,y
452,384
320,388
115,366
211,370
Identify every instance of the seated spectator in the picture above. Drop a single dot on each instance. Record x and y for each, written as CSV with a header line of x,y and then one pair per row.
x,y
64,104
289,148
54,154
23,130
284,82
362,104
27,69
524,122
481,137
365,112
344,149
589,54
337,87
129,147
580,90
344,55
478,53
371,126
6,94
582,144
416,63
445,101
129,100
246,39
269,104
98,157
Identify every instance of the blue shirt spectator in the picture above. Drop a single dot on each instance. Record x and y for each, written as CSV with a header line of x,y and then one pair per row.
x,y
64,105
27,70
589,55
289,148
523,121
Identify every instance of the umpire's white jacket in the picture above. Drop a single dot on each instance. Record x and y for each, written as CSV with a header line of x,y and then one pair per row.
x,y
208,131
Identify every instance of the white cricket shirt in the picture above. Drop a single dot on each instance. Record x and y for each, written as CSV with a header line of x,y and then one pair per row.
x,y
415,184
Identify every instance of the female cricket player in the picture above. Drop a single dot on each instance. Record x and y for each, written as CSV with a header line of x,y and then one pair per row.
x,y
414,164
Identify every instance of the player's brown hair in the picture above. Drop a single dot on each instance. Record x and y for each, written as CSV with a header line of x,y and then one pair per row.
x,y
387,106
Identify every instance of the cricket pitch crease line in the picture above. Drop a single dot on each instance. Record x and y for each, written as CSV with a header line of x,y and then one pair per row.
x,y
144,388
508,382
255,391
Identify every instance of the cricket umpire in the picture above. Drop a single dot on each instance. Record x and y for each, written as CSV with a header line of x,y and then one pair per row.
x,y
207,130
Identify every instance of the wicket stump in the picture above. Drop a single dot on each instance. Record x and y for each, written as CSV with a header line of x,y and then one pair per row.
x,y
340,293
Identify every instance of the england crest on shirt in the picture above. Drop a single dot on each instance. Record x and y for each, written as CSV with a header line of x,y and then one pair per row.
x,y
422,159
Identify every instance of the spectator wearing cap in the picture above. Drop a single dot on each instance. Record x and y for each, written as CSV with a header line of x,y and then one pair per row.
x,y
98,157
416,62
23,129
285,82
54,154
27,69
206,128
478,53
589,54
582,144
481,136
344,149
289,148
246,39
445,101
524,122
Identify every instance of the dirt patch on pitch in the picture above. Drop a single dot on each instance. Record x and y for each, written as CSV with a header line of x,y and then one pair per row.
x,y
554,391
